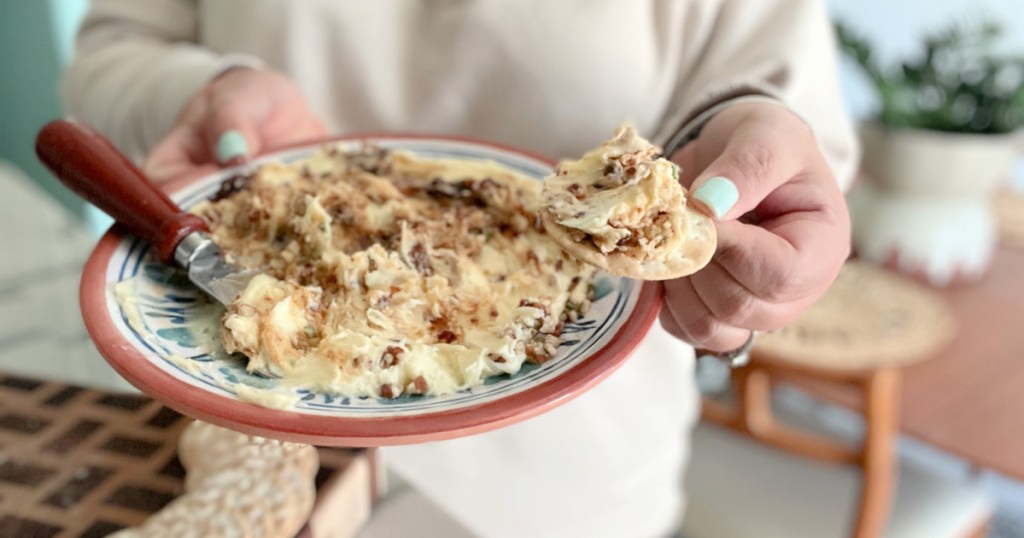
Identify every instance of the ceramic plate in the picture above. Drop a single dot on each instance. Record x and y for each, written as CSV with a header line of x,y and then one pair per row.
x,y
164,341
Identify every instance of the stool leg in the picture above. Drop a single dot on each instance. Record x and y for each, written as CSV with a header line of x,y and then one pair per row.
x,y
881,398
755,395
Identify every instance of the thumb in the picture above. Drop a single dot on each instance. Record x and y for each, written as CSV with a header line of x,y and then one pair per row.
x,y
749,168
232,135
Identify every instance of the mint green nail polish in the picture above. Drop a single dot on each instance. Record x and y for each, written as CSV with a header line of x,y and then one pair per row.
x,y
719,194
231,145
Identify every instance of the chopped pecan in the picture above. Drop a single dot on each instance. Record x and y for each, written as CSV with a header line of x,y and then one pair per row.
x,y
439,188
418,254
530,303
372,159
536,354
611,176
232,185
438,324
488,184
508,230
446,336
391,356
418,386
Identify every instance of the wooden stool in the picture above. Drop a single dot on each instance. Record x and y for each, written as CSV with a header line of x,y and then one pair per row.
x,y
868,325
1010,214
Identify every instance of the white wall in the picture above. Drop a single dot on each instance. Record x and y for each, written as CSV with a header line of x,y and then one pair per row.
x,y
66,15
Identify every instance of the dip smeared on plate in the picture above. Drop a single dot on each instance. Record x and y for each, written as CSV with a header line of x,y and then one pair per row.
x,y
621,208
388,274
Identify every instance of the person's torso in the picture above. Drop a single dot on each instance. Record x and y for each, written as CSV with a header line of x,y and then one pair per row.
x,y
554,78
550,77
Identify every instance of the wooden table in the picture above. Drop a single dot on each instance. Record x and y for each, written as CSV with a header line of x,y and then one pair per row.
x,y
969,400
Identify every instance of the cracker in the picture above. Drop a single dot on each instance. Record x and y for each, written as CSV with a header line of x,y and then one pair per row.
x,y
620,207
698,247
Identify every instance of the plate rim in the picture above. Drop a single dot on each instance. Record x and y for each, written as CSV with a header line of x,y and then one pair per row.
x,y
233,413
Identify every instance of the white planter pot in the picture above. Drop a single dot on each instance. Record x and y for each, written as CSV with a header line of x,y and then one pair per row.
x,y
925,202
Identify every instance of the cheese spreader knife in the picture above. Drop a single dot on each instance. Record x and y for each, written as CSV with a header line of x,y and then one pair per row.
x,y
88,164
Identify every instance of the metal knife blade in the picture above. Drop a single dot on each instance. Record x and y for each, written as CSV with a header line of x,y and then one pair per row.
x,y
208,269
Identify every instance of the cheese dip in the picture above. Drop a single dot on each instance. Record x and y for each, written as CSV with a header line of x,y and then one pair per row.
x,y
384,273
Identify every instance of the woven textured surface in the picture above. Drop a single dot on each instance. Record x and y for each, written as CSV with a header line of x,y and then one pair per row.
x,y
1010,214
868,319
81,463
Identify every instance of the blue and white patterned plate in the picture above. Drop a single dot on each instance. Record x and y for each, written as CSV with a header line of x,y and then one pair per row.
x,y
162,334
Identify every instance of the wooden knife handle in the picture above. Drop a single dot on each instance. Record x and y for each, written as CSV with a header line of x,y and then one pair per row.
x,y
89,165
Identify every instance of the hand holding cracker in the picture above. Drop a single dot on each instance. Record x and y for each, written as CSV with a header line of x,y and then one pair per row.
x,y
782,224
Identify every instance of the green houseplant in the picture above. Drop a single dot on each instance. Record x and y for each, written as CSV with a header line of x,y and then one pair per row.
x,y
958,84
941,141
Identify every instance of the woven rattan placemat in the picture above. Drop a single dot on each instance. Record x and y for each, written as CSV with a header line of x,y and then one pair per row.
x,y
81,463
868,319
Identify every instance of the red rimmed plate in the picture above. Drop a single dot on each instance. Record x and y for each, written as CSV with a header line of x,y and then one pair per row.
x,y
159,333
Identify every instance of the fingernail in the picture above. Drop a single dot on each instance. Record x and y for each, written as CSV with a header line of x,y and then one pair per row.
x,y
231,145
719,194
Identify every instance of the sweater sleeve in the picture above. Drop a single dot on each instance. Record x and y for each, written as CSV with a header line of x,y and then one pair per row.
x,y
135,65
782,49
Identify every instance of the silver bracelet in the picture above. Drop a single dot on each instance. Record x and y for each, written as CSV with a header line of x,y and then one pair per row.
x,y
734,358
